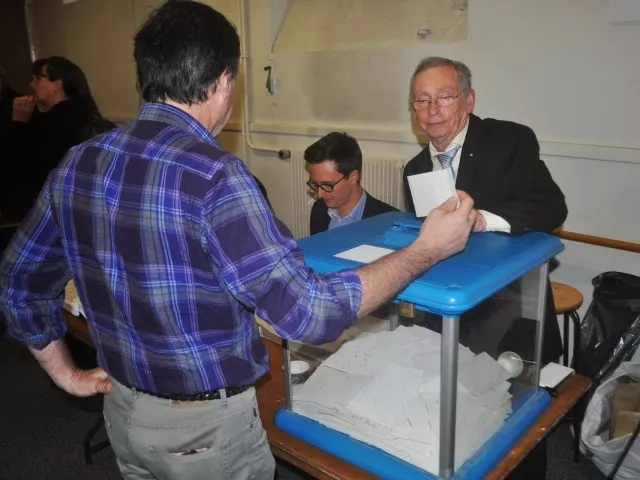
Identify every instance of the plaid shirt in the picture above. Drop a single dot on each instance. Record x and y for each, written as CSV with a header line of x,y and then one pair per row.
x,y
172,249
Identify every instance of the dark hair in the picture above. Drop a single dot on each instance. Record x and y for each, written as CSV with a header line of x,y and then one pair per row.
x,y
182,50
76,87
74,82
338,147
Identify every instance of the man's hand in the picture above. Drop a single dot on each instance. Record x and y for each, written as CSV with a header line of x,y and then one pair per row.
x,y
446,229
57,362
84,383
481,223
23,108
444,232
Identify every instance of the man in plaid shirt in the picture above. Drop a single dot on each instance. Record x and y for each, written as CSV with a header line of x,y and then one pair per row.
x,y
172,249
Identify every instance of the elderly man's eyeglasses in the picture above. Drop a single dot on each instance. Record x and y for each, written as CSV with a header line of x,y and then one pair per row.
x,y
327,187
444,101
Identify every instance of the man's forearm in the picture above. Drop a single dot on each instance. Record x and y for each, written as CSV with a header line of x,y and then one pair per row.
x,y
382,279
57,362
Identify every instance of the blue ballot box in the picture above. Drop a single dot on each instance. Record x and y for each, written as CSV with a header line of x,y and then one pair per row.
x,y
442,395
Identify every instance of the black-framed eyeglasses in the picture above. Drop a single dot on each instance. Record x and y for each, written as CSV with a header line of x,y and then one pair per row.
x,y
327,187
445,101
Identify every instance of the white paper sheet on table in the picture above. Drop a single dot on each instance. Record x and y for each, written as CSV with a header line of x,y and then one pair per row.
x,y
364,253
430,190
554,374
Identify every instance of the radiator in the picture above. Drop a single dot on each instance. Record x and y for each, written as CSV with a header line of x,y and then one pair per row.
x,y
381,177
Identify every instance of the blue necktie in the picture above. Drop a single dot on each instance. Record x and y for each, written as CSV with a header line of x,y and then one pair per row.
x,y
446,159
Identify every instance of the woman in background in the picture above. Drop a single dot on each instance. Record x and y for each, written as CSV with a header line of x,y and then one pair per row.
x,y
39,137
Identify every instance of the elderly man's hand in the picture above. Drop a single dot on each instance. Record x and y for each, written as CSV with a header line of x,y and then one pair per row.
x,y
23,108
481,223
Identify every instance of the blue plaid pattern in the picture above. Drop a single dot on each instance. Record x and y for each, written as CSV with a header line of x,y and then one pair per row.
x,y
172,249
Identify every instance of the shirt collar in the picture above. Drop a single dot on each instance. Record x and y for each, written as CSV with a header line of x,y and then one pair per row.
x,y
165,113
358,207
458,141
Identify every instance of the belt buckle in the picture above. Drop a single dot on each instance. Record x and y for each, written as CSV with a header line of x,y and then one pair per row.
x,y
207,397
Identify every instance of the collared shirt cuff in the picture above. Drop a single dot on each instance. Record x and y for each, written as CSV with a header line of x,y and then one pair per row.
x,y
495,223
353,288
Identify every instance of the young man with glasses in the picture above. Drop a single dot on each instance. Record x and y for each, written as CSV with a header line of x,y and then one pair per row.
x,y
334,164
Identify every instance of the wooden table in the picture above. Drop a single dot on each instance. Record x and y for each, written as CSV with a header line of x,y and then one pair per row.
x,y
324,466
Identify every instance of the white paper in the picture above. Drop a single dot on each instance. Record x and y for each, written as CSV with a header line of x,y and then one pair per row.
x,y
430,190
481,374
345,387
384,389
364,253
553,375
382,398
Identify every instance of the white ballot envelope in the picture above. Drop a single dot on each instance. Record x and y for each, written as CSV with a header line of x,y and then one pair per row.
x,y
430,190
364,253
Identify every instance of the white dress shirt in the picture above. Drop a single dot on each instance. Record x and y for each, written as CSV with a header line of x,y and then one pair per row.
x,y
495,223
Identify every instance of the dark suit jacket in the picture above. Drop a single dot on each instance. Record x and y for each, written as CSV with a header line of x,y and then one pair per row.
x,y
319,221
500,168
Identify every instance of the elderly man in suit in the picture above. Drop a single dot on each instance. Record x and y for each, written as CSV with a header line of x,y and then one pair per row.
x,y
334,164
498,163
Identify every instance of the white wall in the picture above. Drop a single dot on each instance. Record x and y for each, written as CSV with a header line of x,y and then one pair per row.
x,y
558,66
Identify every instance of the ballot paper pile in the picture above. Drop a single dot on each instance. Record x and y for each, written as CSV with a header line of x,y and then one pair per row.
x,y
384,389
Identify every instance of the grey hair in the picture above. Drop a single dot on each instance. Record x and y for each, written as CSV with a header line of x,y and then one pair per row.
x,y
464,74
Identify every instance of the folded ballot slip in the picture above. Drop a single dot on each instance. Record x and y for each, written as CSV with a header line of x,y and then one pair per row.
x,y
430,190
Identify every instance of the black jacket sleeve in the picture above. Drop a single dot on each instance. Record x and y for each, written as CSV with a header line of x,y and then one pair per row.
x,y
535,202
319,218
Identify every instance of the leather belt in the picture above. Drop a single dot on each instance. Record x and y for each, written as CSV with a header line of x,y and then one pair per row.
x,y
195,397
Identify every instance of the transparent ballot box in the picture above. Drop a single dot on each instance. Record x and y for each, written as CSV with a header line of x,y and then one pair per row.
x,y
443,392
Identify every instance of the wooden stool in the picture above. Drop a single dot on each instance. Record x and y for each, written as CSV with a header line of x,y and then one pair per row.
x,y
567,300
